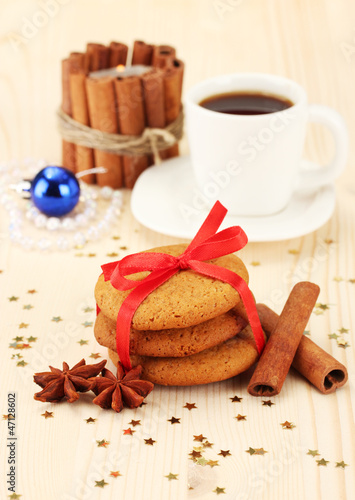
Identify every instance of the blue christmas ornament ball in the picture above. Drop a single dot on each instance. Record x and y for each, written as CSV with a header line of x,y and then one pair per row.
x,y
55,191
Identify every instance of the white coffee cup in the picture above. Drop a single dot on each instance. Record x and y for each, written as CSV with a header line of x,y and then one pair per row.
x,y
253,163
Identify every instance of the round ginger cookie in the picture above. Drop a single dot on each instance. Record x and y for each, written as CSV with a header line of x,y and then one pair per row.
x,y
175,342
186,299
221,362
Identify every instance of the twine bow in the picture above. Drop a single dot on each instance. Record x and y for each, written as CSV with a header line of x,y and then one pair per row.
x,y
206,245
151,141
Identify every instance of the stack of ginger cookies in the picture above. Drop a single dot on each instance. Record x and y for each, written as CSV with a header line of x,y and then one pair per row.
x,y
191,330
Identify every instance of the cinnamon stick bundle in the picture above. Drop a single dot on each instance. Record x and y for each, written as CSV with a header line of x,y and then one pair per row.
x,y
118,54
163,56
142,53
84,155
315,364
129,96
277,357
103,116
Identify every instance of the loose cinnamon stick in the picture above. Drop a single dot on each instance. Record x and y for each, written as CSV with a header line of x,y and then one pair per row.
x,y
118,54
80,61
98,56
103,116
276,359
163,56
315,364
129,96
173,76
84,155
142,53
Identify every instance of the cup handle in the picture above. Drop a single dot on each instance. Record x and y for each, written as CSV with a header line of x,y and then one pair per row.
x,y
317,177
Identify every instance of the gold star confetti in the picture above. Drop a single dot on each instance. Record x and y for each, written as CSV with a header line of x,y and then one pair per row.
x,y
88,309
56,319
338,279
47,414
212,463
115,237
79,254
174,420
21,363
134,422
32,291
90,420
115,473
82,342
225,453
201,461
17,356
328,241
28,307
341,464
124,248
343,330
31,339
256,451
149,441
199,438
172,476
322,462
287,425
23,346
219,490
8,417
352,281
343,343
333,335
195,454
128,432
14,496
236,399
255,263
13,298
112,254
101,484
240,417
18,339
268,403
95,355
103,443
293,251
313,453
23,325
319,308
91,254
190,406
207,444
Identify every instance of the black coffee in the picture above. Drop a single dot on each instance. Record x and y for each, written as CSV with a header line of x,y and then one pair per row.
x,y
246,103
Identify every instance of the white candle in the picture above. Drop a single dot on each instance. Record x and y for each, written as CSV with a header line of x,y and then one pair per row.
x,y
122,71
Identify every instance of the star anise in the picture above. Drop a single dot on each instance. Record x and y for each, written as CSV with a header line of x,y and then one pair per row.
x,y
124,390
58,384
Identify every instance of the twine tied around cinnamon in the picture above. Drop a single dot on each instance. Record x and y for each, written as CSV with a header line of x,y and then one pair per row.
x,y
151,141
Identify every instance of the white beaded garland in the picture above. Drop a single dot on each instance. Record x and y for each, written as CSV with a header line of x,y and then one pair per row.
x,y
71,231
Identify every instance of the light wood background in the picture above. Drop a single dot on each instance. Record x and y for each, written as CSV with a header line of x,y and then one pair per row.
x,y
312,42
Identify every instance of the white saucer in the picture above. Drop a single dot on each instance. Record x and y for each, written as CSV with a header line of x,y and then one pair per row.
x,y
163,200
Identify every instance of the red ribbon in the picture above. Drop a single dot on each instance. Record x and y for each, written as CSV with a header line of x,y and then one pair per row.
x,y
206,245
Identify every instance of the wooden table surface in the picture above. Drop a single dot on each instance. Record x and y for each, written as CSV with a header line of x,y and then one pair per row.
x,y
59,458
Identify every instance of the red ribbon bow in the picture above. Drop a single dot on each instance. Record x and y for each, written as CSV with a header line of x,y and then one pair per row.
x,y
206,245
